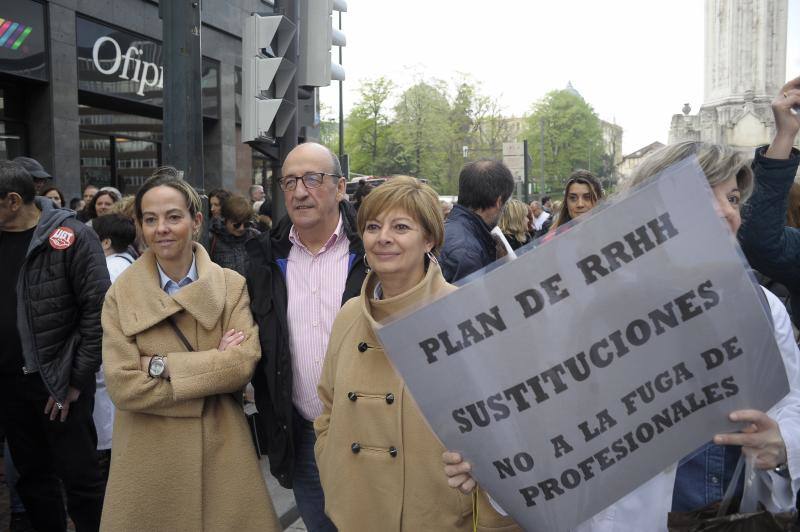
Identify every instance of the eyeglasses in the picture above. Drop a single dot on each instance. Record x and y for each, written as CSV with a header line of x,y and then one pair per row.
x,y
237,225
310,180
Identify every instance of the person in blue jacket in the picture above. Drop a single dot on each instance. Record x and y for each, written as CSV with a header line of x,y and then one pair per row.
x,y
484,187
772,247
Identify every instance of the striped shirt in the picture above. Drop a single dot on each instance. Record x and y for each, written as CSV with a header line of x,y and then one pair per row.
x,y
315,284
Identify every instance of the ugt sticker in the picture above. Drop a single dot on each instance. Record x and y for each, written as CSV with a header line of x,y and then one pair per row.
x,y
62,237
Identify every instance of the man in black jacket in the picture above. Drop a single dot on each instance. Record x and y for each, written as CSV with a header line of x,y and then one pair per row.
x,y
53,279
484,186
298,276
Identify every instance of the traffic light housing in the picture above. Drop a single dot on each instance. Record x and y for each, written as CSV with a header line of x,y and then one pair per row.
x,y
266,76
317,35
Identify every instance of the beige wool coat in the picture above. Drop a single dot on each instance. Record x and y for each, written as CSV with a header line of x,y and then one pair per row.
x,y
182,456
379,463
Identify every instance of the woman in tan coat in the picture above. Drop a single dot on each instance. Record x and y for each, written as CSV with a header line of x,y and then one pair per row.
x,y
379,463
179,345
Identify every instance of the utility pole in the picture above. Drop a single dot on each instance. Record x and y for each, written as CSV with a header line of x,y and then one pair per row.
x,y
341,100
183,106
541,153
526,171
286,143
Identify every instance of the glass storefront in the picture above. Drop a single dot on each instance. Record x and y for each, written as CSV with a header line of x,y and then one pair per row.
x,y
118,149
13,133
118,63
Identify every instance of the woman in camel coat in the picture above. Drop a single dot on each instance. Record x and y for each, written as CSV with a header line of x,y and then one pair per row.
x,y
379,462
182,455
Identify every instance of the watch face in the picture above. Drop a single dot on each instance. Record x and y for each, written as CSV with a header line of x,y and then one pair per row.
x,y
156,366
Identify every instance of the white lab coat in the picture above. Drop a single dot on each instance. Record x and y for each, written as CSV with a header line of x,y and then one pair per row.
x,y
646,507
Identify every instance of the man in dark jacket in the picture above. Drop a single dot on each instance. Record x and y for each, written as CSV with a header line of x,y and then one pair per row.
x,y
771,247
298,276
484,186
53,279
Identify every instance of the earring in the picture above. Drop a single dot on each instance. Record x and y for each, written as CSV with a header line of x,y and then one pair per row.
x,y
432,257
366,264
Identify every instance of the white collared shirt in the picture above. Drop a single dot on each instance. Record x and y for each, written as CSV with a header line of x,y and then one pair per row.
x,y
169,286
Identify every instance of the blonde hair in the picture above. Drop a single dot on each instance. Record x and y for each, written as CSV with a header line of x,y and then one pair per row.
x,y
719,163
407,194
514,220
125,206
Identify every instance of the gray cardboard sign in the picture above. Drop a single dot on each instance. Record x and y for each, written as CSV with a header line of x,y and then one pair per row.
x,y
580,370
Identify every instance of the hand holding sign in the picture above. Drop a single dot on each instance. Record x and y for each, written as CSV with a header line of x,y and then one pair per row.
x,y
761,440
458,472
645,312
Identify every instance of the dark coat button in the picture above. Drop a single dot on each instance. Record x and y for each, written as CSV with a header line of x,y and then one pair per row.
x,y
389,398
352,396
393,452
355,447
362,346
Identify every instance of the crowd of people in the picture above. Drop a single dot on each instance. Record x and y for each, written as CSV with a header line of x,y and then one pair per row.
x,y
128,343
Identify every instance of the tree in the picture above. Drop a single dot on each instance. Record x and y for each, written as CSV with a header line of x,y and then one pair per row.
x,y
328,128
422,131
477,124
367,132
572,136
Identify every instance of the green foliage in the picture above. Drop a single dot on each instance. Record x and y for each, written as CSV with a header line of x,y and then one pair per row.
x,y
367,132
572,137
422,131
430,129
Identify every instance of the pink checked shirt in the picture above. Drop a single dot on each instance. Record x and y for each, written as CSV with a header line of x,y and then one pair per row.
x,y
315,284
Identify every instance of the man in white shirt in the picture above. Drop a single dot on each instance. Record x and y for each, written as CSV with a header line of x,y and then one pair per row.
x,y
540,218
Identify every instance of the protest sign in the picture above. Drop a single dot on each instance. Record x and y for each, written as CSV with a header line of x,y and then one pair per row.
x,y
580,370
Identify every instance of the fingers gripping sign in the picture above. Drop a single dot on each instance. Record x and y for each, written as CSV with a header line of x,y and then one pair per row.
x,y
760,439
458,472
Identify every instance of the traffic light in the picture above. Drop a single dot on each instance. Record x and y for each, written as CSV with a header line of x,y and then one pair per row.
x,y
317,36
266,75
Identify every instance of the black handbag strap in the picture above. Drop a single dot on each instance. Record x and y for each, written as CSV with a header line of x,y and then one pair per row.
x,y
179,333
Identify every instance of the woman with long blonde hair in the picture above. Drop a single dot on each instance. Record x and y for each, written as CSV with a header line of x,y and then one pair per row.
x,y
514,222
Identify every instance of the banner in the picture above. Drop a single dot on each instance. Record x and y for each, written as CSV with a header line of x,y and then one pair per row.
x,y
580,370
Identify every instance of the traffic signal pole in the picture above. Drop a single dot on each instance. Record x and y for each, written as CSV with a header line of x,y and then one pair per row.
x,y
341,100
183,105
287,142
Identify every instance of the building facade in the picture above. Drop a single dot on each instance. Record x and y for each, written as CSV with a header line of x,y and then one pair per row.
x,y
745,67
81,90
631,161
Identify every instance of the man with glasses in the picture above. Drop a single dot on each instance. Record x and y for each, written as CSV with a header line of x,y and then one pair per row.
x,y
298,276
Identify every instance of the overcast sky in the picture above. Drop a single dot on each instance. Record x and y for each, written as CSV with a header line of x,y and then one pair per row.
x,y
635,62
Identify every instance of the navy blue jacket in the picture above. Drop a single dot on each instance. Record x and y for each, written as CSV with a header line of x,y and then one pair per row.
x,y
770,245
468,244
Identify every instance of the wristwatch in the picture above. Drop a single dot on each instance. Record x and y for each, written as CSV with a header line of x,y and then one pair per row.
x,y
782,470
156,366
